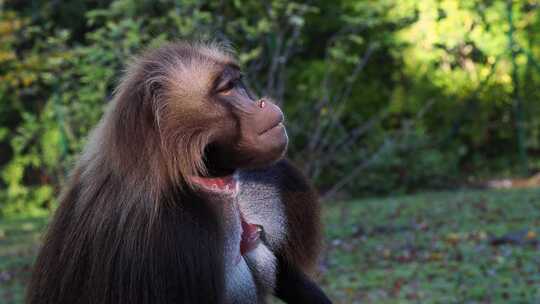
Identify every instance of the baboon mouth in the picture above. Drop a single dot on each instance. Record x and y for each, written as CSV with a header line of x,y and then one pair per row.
x,y
277,124
223,184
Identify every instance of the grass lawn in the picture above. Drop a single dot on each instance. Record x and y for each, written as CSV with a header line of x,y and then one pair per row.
x,y
19,242
448,247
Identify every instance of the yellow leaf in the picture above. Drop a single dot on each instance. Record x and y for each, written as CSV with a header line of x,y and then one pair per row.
x,y
453,238
6,56
436,256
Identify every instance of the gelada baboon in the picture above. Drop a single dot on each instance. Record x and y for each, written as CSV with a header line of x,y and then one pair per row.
x,y
182,196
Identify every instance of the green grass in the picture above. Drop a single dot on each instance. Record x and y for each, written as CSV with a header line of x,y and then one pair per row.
x,y
435,248
425,248
19,241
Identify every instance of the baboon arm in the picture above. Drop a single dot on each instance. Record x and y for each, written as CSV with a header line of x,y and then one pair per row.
x,y
293,286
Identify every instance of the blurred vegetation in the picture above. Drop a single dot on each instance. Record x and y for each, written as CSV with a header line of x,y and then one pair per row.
x,y
446,247
380,96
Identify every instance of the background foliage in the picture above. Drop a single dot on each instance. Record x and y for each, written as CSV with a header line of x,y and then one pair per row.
x,y
380,96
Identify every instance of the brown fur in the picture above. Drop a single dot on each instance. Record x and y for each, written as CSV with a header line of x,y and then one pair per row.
x,y
176,91
131,227
127,184
302,209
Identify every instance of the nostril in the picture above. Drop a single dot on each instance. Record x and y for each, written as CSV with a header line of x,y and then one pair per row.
x,y
262,103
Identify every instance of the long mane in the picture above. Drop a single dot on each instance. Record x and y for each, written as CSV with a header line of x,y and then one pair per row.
x,y
128,221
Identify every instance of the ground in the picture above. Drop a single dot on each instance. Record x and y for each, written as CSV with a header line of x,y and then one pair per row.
x,y
19,242
448,247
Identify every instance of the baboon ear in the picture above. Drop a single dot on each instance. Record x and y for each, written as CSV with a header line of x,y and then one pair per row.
x,y
152,89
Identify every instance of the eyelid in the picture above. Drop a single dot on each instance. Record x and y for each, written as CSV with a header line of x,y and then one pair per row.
x,y
230,83
226,86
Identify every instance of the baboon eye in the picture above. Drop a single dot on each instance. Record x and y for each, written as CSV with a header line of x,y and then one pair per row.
x,y
227,88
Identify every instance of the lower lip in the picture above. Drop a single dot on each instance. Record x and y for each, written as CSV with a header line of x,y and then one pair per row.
x,y
278,126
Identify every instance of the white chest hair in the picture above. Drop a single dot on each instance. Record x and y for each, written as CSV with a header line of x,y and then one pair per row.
x,y
250,280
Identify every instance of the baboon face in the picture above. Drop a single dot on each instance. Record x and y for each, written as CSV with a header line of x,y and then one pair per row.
x,y
202,98
253,133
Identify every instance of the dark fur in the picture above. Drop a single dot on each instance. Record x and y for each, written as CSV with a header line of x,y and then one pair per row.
x,y
130,227
298,255
303,218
